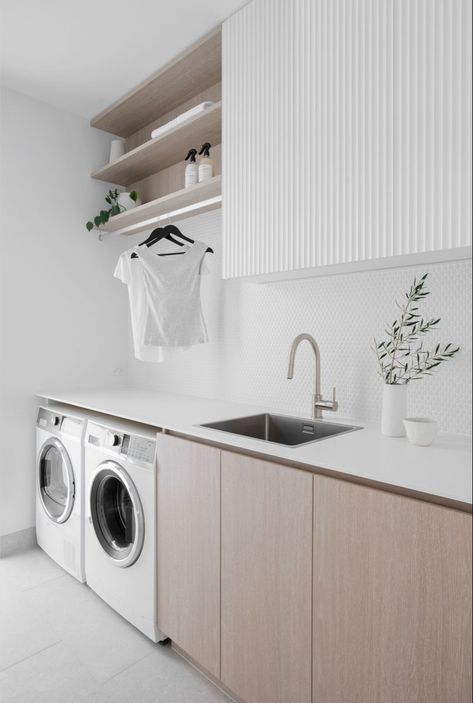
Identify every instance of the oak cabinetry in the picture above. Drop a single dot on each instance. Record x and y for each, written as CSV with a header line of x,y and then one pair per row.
x,y
155,166
293,587
266,580
167,150
188,540
392,598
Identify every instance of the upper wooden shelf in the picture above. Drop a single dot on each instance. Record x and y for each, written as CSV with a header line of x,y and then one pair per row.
x,y
187,75
166,150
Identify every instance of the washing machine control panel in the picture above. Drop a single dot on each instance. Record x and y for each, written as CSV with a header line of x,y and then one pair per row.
x,y
139,448
114,439
103,437
133,447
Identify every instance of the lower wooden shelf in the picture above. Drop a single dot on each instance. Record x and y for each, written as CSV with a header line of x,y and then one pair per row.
x,y
194,200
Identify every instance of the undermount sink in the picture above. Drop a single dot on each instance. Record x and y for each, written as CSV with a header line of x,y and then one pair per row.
x,y
290,431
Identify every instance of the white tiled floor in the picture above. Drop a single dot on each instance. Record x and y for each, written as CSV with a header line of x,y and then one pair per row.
x,y
59,642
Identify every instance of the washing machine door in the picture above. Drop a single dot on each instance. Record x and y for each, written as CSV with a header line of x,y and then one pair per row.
x,y
56,485
117,514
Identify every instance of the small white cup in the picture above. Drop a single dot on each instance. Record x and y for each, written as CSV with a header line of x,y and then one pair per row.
x,y
117,149
420,430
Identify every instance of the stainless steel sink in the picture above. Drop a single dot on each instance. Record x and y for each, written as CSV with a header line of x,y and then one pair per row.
x,y
290,431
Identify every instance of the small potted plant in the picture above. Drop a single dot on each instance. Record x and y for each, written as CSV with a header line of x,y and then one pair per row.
x,y
117,202
402,357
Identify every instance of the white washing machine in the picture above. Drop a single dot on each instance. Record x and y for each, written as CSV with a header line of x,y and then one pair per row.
x,y
60,487
120,526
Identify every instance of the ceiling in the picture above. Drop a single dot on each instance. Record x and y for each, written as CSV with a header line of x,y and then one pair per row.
x,y
81,56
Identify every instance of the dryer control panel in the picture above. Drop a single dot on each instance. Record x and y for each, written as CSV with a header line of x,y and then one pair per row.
x,y
54,421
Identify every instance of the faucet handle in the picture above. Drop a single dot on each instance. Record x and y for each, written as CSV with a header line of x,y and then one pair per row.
x,y
328,404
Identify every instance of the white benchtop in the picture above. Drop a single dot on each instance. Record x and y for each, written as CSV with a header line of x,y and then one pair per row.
x,y
441,472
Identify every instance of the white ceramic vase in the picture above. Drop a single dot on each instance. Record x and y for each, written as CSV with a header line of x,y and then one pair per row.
x,y
394,410
125,201
117,149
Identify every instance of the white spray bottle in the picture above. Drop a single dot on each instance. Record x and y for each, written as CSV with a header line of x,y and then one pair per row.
x,y
206,165
191,172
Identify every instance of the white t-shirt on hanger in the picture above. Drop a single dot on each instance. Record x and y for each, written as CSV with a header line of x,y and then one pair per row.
x,y
130,275
164,298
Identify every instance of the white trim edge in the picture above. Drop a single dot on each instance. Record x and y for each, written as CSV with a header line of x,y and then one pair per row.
x,y
389,262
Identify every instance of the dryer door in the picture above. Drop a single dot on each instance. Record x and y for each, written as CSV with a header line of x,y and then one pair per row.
x,y
56,486
117,514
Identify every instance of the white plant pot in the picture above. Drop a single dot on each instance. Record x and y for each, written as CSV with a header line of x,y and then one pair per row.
x,y
125,201
394,410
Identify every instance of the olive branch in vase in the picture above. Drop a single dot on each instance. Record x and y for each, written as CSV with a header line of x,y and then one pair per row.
x,y
402,357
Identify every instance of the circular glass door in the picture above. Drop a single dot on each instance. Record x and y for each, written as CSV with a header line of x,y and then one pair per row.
x,y
117,515
56,480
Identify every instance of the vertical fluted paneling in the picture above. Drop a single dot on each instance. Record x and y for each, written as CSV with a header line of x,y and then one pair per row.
x,y
347,131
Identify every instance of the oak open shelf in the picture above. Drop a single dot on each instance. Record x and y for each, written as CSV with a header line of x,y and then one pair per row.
x,y
189,73
165,150
143,216
155,167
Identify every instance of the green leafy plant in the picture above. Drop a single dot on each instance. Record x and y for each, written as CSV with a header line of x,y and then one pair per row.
x,y
114,209
402,357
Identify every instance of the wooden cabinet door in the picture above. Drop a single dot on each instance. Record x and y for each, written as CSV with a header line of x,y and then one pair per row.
x,y
392,598
188,539
266,580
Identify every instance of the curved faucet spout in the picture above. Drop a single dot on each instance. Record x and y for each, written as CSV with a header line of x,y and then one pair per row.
x,y
319,404
292,357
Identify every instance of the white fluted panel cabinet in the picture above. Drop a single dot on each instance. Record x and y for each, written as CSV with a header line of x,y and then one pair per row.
x,y
347,132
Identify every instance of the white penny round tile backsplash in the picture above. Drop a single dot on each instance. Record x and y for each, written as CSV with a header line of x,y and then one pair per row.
x,y
251,327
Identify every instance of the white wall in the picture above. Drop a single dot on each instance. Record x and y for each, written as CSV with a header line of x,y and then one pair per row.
x,y
251,328
62,315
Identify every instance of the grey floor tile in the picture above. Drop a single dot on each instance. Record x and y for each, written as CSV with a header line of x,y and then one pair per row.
x,y
30,568
50,676
161,677
102,640
22,631
7,589
60,643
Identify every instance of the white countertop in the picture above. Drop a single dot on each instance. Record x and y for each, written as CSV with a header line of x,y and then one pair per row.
x,y
441,471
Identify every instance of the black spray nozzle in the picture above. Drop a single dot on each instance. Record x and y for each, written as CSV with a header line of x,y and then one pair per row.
x,y
205,149
191,155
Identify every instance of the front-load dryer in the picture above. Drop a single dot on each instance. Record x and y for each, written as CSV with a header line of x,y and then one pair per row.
x,y
120,526
59,487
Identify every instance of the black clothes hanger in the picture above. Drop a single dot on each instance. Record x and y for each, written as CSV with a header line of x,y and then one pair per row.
x,y
172,229
166,233
155,236
156,232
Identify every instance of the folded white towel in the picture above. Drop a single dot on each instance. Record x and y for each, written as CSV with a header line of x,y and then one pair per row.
x,y
181,118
